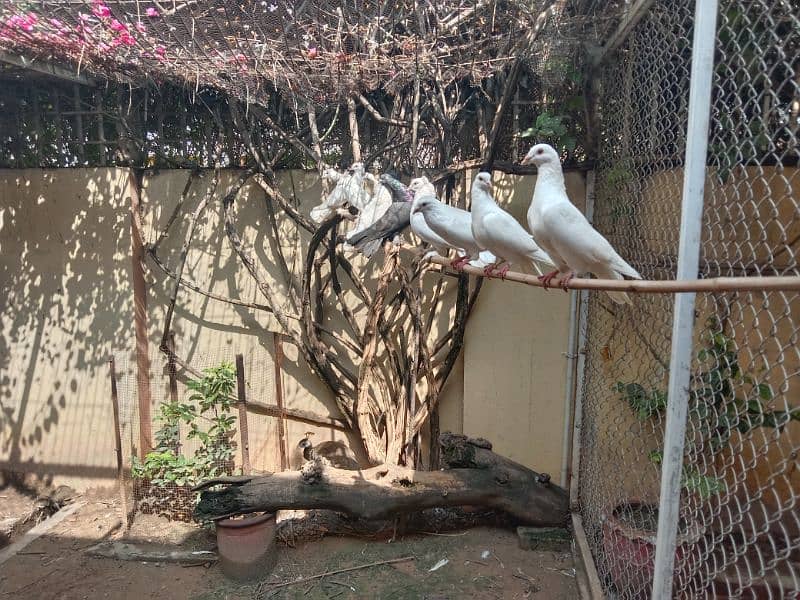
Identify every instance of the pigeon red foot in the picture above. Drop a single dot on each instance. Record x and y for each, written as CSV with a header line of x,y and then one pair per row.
x,y
459,263
547,278
565,280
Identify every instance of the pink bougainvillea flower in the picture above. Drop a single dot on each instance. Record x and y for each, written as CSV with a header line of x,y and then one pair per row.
x,y
56,23
140,27
151,12
26,23
127,39
117,26
101,10
161,51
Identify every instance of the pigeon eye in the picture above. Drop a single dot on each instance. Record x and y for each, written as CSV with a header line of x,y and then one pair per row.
x,y
540,151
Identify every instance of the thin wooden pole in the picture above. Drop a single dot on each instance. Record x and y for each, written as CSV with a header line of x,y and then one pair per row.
x,y
118,442
278,342
243,431
714,284
140,320
101,133
172,370
76,91
37,123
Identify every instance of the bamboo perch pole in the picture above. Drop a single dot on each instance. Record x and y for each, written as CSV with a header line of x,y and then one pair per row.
x,y
715,284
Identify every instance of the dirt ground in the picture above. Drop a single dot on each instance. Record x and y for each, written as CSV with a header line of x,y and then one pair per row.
x,y
481,563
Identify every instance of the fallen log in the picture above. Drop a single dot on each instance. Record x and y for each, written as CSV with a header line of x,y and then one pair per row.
x,y
475,476
313,525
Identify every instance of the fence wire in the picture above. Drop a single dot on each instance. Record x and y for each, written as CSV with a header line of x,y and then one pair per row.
x,y
739,529
164,489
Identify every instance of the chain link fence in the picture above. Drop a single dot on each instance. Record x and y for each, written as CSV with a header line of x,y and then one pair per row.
x,y
195,426
739,530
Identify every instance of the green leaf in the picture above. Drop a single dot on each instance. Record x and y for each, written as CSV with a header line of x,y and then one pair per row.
x,y
764,392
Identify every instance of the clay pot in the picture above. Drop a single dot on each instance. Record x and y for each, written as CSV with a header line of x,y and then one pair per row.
x,y
247,548
630,551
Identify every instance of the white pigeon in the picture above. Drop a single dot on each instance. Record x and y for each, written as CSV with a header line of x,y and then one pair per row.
x,y
500,233
562,230
423,190
349,190
375,207
322,211
450,224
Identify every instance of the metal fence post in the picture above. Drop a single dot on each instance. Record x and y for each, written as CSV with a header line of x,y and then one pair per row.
x,y
703,44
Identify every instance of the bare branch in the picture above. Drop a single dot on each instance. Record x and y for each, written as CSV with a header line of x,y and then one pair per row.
x,y
354,137
184,253
378,116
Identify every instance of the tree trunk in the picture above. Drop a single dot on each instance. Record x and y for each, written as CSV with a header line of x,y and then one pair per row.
x,y
475,476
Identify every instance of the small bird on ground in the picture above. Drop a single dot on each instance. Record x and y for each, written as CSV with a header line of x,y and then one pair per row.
x,y
306,446
501,234
450,224
562,230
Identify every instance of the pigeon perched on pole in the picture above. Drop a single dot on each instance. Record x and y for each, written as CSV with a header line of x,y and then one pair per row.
x,y
500,233
423,189
562,230
396,218
452,225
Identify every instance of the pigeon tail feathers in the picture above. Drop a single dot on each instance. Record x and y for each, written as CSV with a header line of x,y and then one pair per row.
x,y
370,247
617,297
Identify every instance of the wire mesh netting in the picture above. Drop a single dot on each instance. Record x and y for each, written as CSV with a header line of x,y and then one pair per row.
x,y
195,426
739,532
318,51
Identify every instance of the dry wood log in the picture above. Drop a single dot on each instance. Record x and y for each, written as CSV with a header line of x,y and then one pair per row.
x,y
312,525
475,476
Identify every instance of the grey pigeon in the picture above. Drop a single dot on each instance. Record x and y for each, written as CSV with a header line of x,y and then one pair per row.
x,y
396,218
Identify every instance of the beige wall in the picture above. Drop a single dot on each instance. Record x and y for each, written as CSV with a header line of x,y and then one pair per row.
x,y
67,304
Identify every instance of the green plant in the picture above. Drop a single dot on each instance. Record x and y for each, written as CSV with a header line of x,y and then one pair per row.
x,y
555,129
212,394
561,123
716,408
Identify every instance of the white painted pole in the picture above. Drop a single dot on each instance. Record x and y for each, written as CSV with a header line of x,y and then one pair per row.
x,y
703,43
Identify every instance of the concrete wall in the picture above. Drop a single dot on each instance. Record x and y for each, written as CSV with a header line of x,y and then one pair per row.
x,y
67,305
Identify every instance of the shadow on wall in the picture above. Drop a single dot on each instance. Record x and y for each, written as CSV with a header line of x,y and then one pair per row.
x,y
65,307
206,327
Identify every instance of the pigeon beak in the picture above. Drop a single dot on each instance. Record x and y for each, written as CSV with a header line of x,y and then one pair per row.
x,y
526,161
